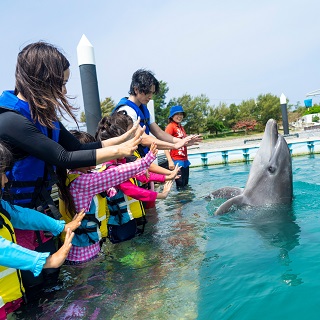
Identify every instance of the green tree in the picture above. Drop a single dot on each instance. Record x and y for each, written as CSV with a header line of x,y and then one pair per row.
x,y
230,119
196,109
82,117
160,110
217,118
311,110
107,105
214,125
268,107
248,109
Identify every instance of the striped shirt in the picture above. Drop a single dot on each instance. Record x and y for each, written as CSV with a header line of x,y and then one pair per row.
x,y
87,185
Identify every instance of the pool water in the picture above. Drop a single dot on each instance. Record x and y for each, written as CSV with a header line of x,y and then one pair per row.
x,y
190,264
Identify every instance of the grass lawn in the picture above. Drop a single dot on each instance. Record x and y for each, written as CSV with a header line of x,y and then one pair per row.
x,y
208,137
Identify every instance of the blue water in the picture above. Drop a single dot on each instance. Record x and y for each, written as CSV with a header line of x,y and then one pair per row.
x,y
190,264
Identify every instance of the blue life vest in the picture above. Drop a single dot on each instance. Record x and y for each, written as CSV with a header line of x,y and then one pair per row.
x,y
31,178
141,112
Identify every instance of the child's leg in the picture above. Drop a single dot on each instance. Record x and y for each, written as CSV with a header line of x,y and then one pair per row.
x,y
183,173
186,176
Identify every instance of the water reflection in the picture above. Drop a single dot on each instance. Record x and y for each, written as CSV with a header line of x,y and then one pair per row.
x,y
148,277
275,225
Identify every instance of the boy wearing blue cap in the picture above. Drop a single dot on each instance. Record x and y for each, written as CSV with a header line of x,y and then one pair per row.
x,y
178,156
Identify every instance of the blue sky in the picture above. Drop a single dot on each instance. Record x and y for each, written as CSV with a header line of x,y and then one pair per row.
x,y
228,50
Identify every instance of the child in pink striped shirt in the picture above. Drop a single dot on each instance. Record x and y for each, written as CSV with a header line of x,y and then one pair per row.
x,y
125,205
79,188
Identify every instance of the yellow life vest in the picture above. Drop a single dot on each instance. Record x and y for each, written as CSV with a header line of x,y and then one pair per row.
x,y
101,214
11,287
135,207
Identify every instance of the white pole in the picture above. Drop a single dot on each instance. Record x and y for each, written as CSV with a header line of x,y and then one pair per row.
x,y
89,83
283,103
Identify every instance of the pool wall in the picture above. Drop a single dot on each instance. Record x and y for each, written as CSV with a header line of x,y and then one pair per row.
x,y
246,153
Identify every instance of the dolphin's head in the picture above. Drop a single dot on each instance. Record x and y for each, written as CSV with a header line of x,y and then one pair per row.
x,y
270,178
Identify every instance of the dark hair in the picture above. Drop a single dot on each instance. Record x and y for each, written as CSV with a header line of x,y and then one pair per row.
x,y
143,80
82,136
39,78
62,174
113,126
5,162
5,158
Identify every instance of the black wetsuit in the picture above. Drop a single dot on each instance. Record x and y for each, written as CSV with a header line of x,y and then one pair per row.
x,y
22,138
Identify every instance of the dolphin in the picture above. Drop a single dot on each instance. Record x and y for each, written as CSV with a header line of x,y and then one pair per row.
x,y
270,177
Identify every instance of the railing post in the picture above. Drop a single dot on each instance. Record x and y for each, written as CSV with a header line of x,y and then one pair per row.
x,y
246,155
224,156
204,159
311,146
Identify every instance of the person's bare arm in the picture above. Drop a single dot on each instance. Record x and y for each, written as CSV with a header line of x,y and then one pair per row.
x,y
162,144
166,189
125,149
162,135
170,161
158,169
57,259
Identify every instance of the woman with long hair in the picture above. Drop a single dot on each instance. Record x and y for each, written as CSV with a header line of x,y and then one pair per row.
x,y
30,128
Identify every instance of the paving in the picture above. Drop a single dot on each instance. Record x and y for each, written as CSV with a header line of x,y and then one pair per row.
x,y
234,143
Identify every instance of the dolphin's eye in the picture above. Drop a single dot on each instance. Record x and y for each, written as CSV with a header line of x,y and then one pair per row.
x,y
271,169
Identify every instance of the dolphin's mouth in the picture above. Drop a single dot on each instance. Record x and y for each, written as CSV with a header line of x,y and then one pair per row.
x,y
271,134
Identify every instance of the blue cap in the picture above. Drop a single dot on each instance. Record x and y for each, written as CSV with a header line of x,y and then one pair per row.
x,y
176,109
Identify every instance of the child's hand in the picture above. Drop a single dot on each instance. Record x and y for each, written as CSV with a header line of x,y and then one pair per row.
x,y
183,142
76,221
126,149
174,173
147,174
171,165
56,260
167,186
153,148
195,139
130,134
138,129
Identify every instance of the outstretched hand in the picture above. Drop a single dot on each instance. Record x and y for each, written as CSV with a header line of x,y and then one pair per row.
x,y
153,148
174,173
126,149
182,142
167,187
56,260
76,221
136,130
195,139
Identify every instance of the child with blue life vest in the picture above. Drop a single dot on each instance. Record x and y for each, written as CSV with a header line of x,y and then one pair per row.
x,y
125,205
13,257
142,88
87,188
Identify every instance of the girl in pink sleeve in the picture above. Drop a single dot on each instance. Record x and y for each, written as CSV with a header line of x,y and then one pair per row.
x,y
125,204
85,188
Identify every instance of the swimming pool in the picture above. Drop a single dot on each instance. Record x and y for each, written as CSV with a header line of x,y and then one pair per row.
x,y
190,264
